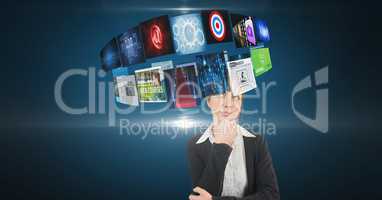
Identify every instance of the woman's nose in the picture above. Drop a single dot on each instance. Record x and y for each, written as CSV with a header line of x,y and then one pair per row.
x,y
228,100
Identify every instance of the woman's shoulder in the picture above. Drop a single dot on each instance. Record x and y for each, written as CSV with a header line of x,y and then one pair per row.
x,y
192,141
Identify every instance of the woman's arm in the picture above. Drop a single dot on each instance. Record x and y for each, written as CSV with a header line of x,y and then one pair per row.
x,y
208,175
265,177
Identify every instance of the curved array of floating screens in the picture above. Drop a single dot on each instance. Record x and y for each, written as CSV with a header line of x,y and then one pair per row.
x,y
183,85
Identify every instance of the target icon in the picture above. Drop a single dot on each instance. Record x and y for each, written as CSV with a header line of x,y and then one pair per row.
x,y
217,26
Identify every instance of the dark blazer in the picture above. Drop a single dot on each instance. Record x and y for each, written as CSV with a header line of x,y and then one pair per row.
x,y
207,164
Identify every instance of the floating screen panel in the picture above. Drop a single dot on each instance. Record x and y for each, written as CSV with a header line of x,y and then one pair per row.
x,y
127,90
157,37
216,26
241,76
151,85
188,33
131,47
262,31
186,86
110,56
212,74
261,60
243,30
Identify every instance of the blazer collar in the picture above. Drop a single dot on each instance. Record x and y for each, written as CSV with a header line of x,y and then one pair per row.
x,y
208,134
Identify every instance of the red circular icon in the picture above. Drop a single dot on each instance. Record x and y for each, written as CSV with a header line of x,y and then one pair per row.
x,y
217,26
156,36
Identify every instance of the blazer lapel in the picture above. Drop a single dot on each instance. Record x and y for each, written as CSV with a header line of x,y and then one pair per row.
x,y
249,146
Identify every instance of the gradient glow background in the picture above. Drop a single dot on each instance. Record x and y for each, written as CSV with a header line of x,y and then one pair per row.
x,y
48,154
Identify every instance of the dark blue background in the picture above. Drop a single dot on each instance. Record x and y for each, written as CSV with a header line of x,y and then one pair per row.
x,y
48,154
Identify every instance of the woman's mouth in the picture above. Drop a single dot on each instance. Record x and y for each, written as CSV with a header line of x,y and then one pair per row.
x,y
226,114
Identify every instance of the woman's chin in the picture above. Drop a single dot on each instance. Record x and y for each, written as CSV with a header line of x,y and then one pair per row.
x,y
231,117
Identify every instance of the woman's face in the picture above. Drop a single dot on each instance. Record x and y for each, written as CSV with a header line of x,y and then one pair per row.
x,y
225,106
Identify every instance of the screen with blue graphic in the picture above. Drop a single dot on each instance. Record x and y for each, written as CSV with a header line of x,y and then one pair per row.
x,y
110,57
213,75
131,47
188,33
261,31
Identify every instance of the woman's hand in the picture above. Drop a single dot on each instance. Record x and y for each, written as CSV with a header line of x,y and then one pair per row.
x,y
225,131
203,194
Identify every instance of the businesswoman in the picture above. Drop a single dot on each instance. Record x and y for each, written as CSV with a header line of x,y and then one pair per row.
x,y
227,162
